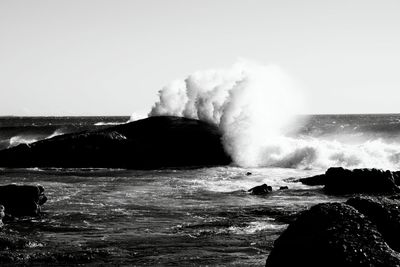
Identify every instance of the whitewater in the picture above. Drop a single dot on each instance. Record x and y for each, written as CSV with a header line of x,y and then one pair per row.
x,y
257,108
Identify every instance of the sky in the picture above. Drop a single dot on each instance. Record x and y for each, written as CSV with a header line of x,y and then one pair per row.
x,y
111,57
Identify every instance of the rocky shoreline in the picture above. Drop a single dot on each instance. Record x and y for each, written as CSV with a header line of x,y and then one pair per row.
x,y
362,231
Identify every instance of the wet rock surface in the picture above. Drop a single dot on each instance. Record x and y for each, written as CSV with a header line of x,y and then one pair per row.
x,y
384,213
332,234
340,181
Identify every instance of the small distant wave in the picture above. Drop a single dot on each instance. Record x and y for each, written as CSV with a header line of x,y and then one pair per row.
x,y
56,133
22,139
31,138
107,123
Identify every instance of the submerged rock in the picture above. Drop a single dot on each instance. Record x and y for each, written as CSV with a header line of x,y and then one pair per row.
x,y
155,142
22,200
343,181
260,190
332,234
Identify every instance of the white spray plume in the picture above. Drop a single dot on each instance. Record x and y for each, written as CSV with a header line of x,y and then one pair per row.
x,y
253,105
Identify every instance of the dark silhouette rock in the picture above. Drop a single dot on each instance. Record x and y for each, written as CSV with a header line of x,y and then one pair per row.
x,y
384,213
332,234
340,181
22,200
343,181
248,173
155,142
314,180
260,190
283,188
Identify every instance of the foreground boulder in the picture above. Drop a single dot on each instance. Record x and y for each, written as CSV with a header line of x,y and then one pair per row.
x,y
22,200
155,142
384,213
332,234
343,181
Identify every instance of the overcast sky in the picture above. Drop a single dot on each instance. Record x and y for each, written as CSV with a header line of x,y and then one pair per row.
x,y
98,57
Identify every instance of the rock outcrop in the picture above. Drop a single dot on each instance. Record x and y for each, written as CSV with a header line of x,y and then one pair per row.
x,y
340,181
22,200
332,234
155,142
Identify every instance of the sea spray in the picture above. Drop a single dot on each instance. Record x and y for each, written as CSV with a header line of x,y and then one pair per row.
x,y
256,108
253,105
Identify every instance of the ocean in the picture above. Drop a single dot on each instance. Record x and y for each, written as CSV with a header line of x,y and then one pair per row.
x,y
185,217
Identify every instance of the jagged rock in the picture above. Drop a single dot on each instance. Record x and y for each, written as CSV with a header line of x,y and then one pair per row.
x,y
260,190
22,200
332,234
155,142
384,213
343,181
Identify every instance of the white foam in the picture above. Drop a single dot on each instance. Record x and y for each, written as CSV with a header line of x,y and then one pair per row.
x,y
22,139
255,107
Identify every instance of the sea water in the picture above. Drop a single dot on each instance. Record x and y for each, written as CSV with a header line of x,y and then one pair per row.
x,y
202,216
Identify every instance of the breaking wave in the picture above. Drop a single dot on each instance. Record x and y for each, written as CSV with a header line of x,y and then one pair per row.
x,y
22,139
257,108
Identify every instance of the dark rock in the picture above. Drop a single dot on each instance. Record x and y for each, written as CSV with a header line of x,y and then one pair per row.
x,y
155,142
248,173
22,200
384,213
283,188
314,180
260,190
340,181
332,234
2,215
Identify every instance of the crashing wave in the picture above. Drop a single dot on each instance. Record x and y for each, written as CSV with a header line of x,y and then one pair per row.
x,y
256,107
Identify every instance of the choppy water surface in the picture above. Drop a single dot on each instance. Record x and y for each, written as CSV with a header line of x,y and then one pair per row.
x,y
190,216
185,217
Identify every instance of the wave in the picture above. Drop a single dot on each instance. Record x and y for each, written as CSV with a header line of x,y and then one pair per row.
x,y
251,103
31,138
56,133
310,153
107,123
22,139
256,108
